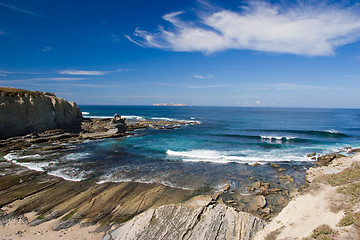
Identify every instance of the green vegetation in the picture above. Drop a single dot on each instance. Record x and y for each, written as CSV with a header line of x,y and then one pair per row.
x,y
348,175
11,92
350,219
352,190
41,217
69,215
123,219
322,232
274,234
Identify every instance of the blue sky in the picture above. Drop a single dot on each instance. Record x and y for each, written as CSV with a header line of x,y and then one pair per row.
x,y
212,53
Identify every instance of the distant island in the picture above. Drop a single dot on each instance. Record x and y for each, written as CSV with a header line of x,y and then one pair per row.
x,y
170,104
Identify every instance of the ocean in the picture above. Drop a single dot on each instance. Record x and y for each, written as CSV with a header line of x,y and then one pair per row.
x,y
221,149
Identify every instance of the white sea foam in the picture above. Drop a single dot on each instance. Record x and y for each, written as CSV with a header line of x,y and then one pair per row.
x,y
164,118
76,156
332,131
276,137
13,156
85,113
60,173
202,155
132,117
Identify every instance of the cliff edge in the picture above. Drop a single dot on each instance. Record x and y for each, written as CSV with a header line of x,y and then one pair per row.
x,y
23,112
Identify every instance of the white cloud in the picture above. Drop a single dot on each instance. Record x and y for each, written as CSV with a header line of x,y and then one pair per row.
x,y
58,79
3,75
93,73
77,72
292,86
9,6
209,76
313,29
199,76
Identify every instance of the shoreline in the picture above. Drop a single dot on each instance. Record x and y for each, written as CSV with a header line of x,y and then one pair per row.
x,y
50,206
18,212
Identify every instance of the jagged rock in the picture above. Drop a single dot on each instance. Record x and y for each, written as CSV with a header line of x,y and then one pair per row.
x,y
326,159
23,112
310,155
194,219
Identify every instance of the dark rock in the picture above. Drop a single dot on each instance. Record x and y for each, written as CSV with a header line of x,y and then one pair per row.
x,y
326,159
311,155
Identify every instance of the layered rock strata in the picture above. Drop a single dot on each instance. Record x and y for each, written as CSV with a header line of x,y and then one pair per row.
x,y
23,112
198,218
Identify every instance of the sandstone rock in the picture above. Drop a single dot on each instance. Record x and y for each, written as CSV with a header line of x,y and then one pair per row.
x,y
257,203
282,169
194,219
23,112
257,185
274,165
326,159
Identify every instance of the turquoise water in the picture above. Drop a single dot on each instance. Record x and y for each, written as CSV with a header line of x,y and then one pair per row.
x,y
218,150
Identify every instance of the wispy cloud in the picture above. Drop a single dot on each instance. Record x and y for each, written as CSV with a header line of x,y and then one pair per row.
x,y
292,86
199,76
77,72
3,75
306,28
2,32
57,79
92,73
18,9
202,86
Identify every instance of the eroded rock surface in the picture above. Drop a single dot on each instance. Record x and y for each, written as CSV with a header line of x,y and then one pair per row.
x,y
23,112
198,218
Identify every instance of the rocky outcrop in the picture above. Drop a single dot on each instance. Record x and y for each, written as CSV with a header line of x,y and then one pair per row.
x,y
23,112
198,218
97,128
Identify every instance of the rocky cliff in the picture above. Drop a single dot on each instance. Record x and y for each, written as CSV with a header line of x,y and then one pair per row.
x,y
23,112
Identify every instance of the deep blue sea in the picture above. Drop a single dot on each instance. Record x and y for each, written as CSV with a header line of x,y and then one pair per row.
x,y
220,149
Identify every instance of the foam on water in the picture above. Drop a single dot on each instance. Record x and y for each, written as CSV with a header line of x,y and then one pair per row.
x,y
85,113
132,117
76,177
13,156
201,155
76,156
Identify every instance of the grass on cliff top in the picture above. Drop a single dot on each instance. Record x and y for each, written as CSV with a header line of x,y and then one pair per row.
x,y
347,176
14,91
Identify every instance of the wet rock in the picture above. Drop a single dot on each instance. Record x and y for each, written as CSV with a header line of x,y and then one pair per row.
x,y
274,165
257,203
311,155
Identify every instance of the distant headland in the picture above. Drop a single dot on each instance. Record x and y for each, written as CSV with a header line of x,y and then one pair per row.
x,y
170,104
